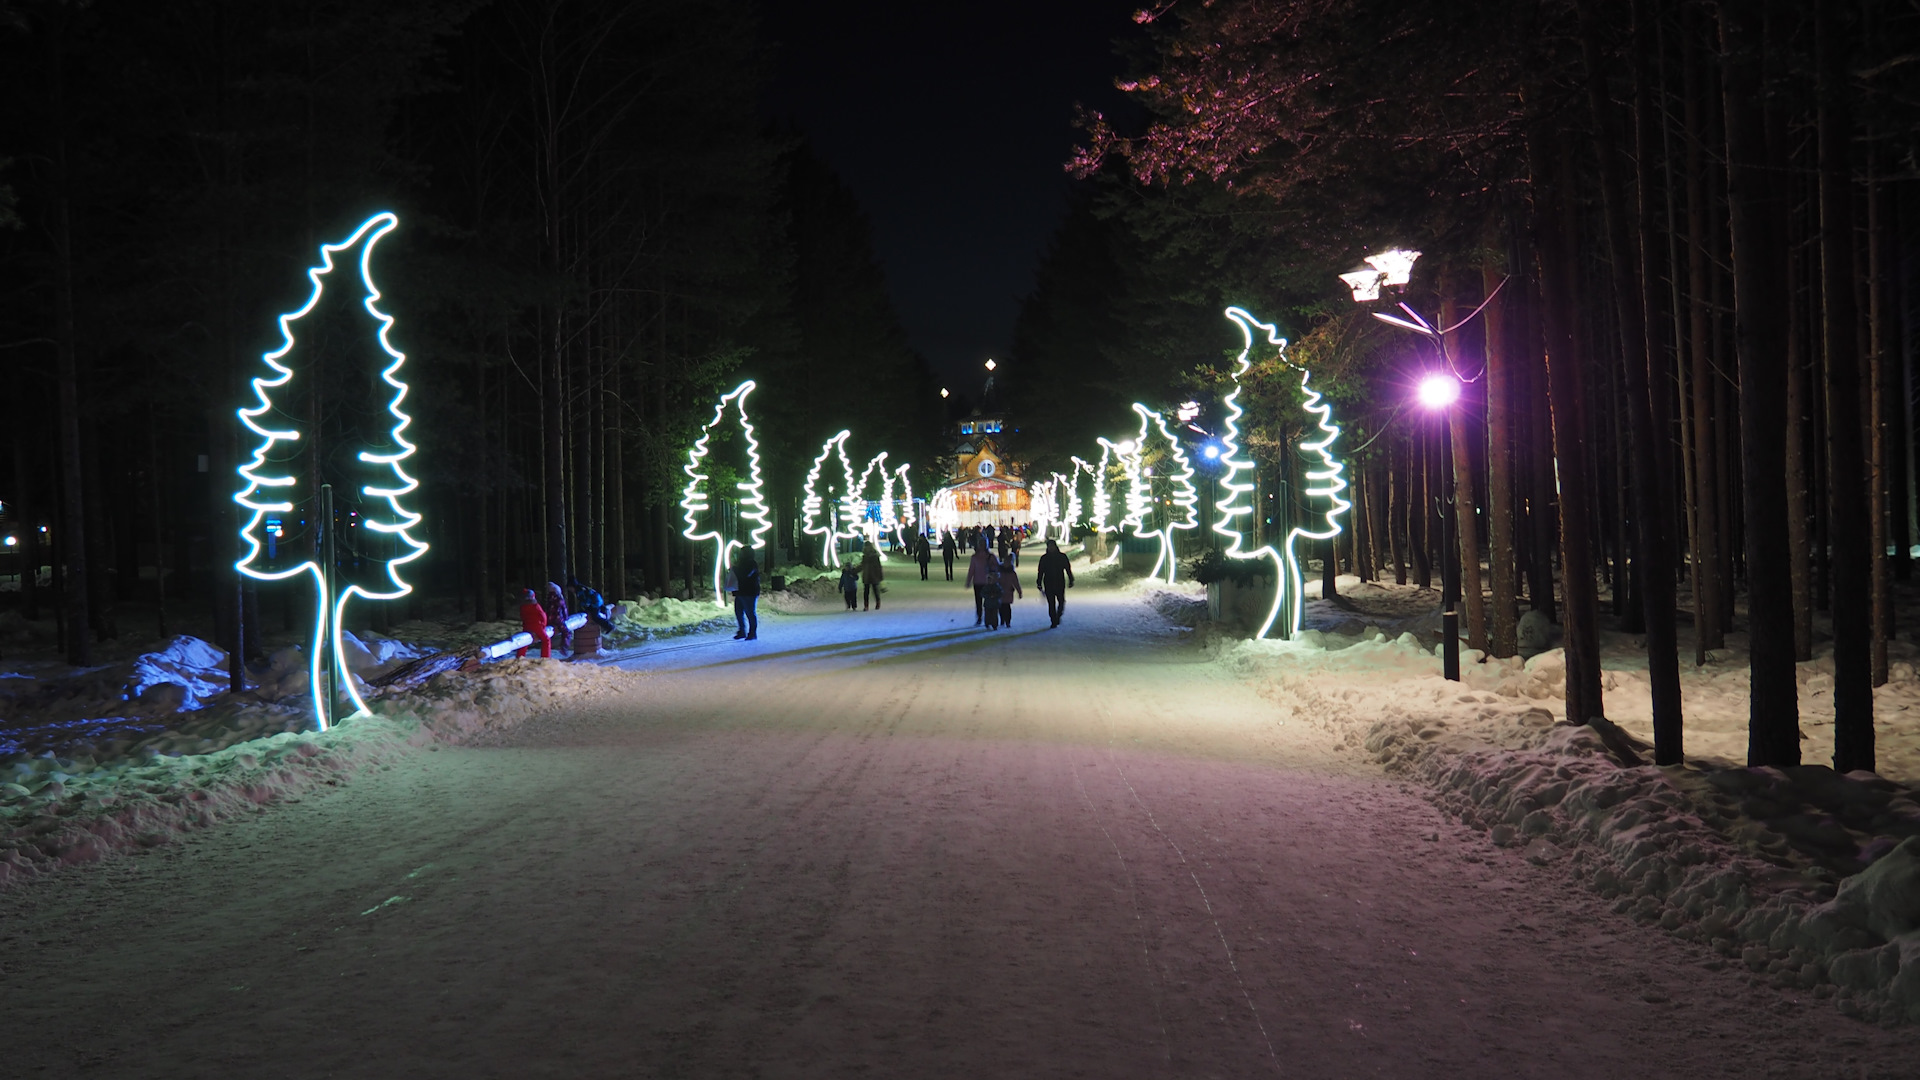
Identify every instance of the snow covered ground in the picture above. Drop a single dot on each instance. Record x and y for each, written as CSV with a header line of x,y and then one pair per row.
x,y
1808,879
883,843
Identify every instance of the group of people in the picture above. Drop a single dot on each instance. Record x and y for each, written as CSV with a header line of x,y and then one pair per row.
x,y
995,581
870,573
550,609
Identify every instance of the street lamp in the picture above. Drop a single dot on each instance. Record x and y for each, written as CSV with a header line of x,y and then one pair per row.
x,y
1437,392
943,391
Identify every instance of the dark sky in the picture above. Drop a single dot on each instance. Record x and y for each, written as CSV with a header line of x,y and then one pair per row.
x,y
950,122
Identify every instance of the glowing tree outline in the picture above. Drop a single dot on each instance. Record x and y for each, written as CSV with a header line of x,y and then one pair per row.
x,y
908,519
812,504
857,500
330,609
1186,497
1289,587
1070,516
696,500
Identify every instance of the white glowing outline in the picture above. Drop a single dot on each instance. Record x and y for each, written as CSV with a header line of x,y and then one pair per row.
x,y
1230,508
811,504
856,500
331,609
1331,484
911,519
1186,497
1071,517
753,505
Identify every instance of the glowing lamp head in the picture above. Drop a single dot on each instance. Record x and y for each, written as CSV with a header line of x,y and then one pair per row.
x,y
1364,283
1187,411
1438,391
11,541
1395,266
943,391
991,365
1212,451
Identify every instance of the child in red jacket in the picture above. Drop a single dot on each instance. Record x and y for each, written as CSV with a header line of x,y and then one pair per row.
x,y
533,619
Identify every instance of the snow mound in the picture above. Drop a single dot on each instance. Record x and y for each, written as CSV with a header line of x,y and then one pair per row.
x,y
198,668
465,707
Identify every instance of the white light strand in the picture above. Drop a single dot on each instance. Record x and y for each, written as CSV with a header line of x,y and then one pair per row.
x,y
696,500
1326,482
1238,502
1185,498
813,505
329,609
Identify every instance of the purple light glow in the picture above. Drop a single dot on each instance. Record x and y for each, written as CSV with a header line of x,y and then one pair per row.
x,y
1438,390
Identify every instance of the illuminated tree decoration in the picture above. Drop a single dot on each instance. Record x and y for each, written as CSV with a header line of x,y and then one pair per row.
x,y
1182,497
859,505
697,501
820,513
1070,513
905,521
1324,480
1238,502
268,477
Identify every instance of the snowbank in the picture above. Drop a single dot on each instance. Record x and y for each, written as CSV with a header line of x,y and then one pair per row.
x,y
138,785
1808,878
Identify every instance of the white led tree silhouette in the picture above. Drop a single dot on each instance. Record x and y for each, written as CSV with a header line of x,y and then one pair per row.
x,y
859,505
270,477
821,511
1173,501
698,498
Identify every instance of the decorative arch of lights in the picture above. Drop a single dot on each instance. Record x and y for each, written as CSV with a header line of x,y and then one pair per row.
x,y
265,490
696,499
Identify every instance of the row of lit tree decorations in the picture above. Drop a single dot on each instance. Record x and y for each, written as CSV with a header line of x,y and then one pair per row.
x,y
1124,466
842,509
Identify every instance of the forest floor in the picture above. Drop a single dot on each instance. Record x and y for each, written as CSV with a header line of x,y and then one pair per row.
x,y
887,843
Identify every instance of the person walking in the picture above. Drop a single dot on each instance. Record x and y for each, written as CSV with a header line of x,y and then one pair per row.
x,y
850,583
555,602
745,582
1013,548
588,599
1009,589
922,553
1053,576
982,571
533,620
947,549
871,574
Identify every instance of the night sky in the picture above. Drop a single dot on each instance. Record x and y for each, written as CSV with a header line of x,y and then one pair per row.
x,y
951,125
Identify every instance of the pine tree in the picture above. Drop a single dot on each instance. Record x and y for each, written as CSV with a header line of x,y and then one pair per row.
x,y
697,500
1323,481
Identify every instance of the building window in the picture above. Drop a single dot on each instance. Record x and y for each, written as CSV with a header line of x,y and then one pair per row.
x,y
989,427
966,429
986,468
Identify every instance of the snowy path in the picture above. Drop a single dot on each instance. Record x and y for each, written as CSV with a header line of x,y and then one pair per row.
x,y
880,844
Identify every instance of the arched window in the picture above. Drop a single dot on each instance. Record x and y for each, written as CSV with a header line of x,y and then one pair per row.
x,y
986,468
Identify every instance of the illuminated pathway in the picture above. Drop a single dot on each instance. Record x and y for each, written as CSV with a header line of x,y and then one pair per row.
x,y
879,845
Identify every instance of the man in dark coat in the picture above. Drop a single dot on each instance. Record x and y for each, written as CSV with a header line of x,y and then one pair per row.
x,y
1054,576
947,548
922,554
746,595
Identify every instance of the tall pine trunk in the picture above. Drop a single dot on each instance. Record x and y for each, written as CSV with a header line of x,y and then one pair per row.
x,y
1846,473
1759,297
1502,638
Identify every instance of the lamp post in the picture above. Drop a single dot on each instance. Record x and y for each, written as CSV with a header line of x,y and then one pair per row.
x,y
1437,392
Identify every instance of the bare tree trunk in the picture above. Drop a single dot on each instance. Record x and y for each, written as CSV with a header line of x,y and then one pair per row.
x,y
1799,484
1400,477
1554,232
1848,529
1465,518
73,517
1708,619
1420,506
1773,731
1542,510
1643,351
1502,636
1880,323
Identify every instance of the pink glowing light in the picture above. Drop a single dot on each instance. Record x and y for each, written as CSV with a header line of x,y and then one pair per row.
x,y
1438,390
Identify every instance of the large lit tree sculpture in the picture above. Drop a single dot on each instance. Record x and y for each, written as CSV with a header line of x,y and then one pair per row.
x,y
269,478
820,513
1234,513
1171,485
871,521
697,500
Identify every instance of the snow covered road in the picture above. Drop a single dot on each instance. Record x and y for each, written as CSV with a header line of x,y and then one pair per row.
x,y
881,844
